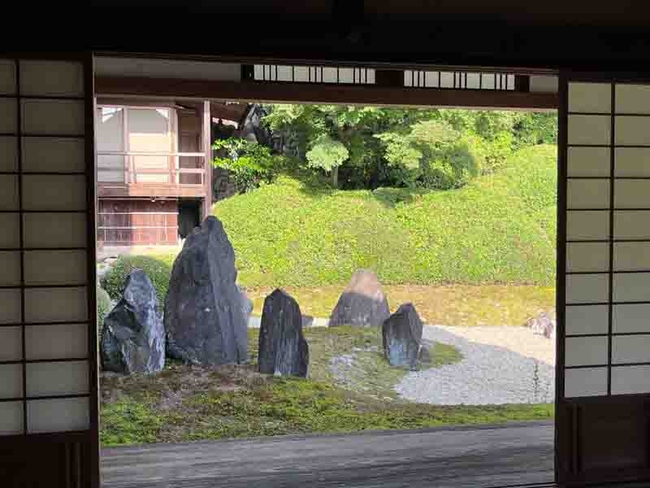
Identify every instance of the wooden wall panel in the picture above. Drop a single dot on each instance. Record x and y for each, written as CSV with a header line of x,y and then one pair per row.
x,y
137,222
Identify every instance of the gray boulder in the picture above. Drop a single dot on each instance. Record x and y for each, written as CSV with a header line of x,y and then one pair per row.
x,y
283,349
246,303
133,336
402,337
362,303
204,311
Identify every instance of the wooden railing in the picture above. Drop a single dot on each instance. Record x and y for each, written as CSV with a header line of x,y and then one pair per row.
x,y
178,169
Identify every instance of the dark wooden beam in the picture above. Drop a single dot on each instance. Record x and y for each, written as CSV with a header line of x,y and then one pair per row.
x,y
322,93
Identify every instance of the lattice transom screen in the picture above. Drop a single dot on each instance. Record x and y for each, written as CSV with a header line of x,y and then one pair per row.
x,y
607,285
45,370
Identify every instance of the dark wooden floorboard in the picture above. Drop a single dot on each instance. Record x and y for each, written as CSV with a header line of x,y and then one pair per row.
x,y
443,458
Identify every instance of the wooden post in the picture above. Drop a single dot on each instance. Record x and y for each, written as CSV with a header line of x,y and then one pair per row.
x,y
207,149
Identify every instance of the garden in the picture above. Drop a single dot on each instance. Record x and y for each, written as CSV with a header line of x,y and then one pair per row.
x,y
412,247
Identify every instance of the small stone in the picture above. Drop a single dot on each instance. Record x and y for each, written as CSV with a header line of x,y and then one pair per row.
x,y
362,303
402,337
133,336
424,357
283,350
544,324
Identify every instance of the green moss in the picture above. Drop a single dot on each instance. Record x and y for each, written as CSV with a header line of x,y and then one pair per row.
x,y
498,229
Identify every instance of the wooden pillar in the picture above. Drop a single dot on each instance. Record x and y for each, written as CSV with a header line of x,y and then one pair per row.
x,y
207,149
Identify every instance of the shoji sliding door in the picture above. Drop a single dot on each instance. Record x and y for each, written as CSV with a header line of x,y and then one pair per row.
x,y
603,399
48,361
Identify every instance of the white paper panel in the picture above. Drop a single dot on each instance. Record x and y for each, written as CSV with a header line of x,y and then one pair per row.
x,y
54,192
592,319
11,344
11,418
586,351
473,81
65,415
632,99
588,161
10,306
53,117
628,380
633,130
631,256
589,129
9,268
45,305
11,381
631,349
586,225
8,154
55,267
588,194
632,161
446,79
329,75
8,116
585,382
590,97
55,230
631,318
7,77
488,81
587,256
56,341
51,78
632,287
10,235
631,225
587,288
302,74
632,194
63,378
9,192
50,154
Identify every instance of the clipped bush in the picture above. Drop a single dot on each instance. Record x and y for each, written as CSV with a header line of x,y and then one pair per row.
x,y
157,267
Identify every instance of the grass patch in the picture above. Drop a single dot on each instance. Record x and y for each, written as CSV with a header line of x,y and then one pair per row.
x,y
186,403
498,229
456,305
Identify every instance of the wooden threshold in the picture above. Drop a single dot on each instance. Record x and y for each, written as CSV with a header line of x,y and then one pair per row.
x,y
322,93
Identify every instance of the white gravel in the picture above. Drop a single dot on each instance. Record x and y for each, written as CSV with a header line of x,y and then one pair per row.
x,y
501,365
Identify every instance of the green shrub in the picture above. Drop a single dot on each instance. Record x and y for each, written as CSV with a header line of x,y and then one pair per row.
x,y
157,267
103,309
250,163
103,304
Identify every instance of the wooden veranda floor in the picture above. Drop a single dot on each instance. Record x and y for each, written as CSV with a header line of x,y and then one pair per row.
x,y
442,458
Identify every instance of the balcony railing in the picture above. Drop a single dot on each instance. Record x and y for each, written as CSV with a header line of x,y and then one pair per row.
x,y
151,168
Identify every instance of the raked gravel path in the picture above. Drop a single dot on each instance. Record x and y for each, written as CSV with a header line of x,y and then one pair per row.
x,y
500,365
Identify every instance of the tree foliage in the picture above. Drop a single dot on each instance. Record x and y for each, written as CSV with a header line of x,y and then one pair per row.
x,y
250,163
371,147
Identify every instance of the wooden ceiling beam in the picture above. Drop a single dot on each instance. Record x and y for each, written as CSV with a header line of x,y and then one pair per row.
x,y
321,93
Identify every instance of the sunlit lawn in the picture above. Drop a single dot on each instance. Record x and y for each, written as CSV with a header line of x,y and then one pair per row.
x,y
459,305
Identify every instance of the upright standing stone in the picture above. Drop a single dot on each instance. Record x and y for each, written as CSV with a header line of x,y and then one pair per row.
x,y
362,303
133,336
204,313
283,349
402,337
